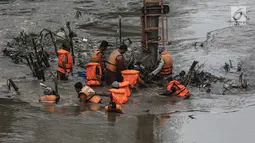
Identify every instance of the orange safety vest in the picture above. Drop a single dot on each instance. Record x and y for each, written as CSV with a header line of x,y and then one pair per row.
x,y
69,63
118,95
91,74
111,65
48,98
98,57
168,63
181,89
125,85
118,109
90,93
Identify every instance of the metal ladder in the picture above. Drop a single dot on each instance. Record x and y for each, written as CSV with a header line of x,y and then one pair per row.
x,y
163,24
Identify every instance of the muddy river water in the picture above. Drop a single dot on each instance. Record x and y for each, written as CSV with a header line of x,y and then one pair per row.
x,y
147,118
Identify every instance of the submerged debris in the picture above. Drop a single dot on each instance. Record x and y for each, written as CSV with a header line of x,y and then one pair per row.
x,y
199,78
36,49
191,117
31,49
10,84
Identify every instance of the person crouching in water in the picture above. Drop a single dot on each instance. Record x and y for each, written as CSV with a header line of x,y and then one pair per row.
x,y
113,107
50,95
165,66
119,95
174,88
87,94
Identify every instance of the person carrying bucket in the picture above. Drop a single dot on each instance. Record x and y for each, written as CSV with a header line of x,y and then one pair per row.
x,y
165,66
120,92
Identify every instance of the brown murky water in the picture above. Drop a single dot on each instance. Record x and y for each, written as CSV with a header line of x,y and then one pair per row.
x,y
148,118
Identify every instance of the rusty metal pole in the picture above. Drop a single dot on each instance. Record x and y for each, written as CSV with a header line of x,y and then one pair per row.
x,y
120,32
153,47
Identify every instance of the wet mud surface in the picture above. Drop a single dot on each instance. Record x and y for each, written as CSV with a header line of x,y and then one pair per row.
x,y
147,118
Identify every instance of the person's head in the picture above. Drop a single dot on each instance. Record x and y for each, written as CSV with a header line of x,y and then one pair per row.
x,y
48,91
62,29
65,46
104,45
112,105
115,84
123,48
182,73
161,49
78,86
170,78
82,97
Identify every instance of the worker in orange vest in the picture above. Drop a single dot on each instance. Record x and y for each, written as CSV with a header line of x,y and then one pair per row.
x,y
165,66
65,63
119,94
113,107
87,94
115,65
174,88
51,93
98,56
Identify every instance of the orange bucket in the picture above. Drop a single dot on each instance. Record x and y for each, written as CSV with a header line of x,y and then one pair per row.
x,y
118,95
125,85
131,76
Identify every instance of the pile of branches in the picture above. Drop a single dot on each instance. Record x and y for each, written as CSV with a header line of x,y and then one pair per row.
x,y
35,50
198,77
32,49
20,47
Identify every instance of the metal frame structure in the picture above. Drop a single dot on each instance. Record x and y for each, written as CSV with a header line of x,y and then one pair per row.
x,y
163,26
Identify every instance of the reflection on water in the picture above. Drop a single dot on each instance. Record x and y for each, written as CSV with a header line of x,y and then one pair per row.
x,y
111,117
160,128
6,119
84,108
145,128
80,109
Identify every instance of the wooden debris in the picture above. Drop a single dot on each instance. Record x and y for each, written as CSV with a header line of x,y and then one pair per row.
x,y
10,84
30,49
190,73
